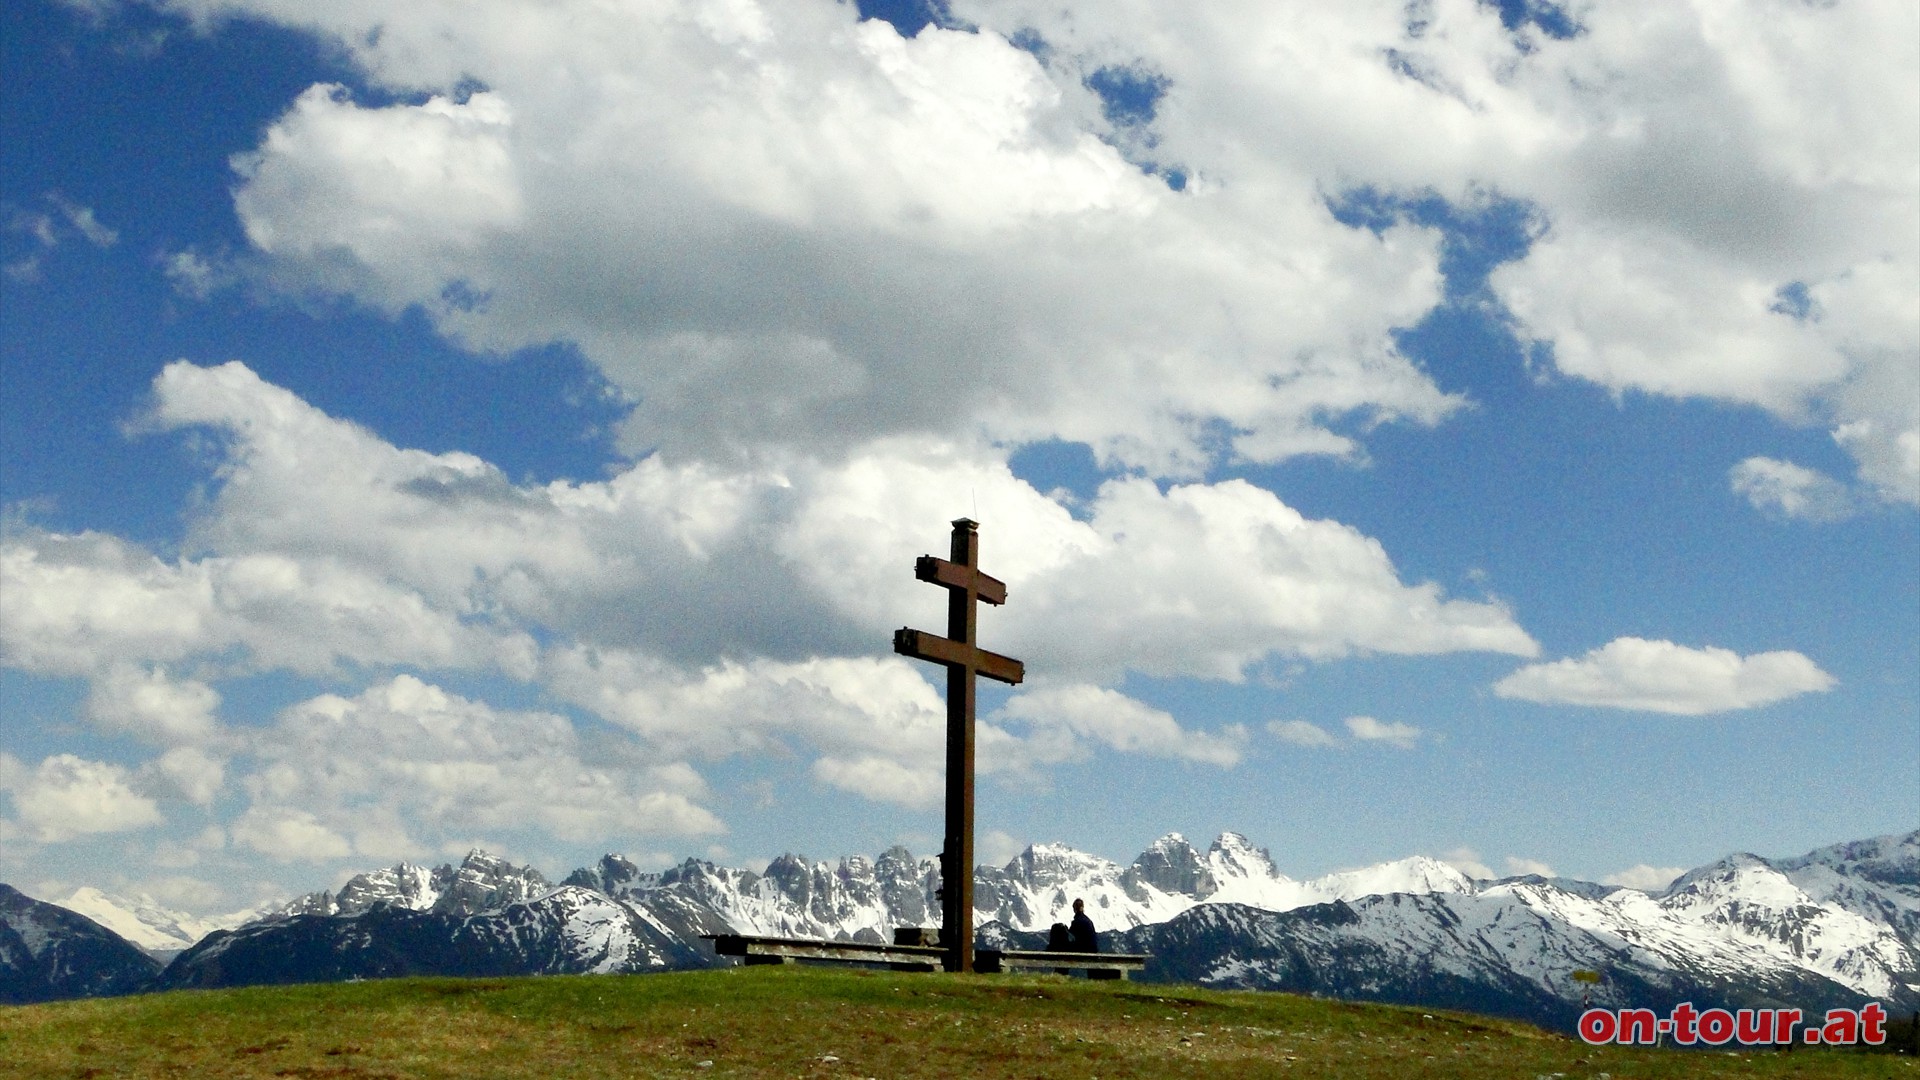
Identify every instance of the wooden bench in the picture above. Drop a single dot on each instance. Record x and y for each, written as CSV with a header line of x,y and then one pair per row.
x,y
779,950
758,949
1096,965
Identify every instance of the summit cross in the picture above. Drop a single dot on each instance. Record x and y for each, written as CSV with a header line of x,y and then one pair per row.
x,y
964,582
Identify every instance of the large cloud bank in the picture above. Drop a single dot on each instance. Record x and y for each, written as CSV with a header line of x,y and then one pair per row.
x,y
698,612
843,275
776,225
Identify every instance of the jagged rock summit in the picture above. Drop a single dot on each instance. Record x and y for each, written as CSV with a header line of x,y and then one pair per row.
x,y
482,882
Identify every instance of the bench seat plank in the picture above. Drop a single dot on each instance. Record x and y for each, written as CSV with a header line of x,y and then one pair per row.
x,y
758,947
1096,965
1040,958
763,949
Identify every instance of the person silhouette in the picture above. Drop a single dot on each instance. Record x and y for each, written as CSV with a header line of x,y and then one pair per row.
x,y
1081,933
1059,939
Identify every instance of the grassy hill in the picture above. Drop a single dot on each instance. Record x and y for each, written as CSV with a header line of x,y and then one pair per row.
x,y
814,1022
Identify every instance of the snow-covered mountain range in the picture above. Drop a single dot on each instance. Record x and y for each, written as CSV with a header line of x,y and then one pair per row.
x,y
1837,925
859,898
147,925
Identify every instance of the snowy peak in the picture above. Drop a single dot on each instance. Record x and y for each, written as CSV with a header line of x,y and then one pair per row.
x,y
482,882
825,893
1892,860
1418,874
1878,879
861,898
1057,866
574,930
1737,873
415,888
1233,857
1038,887
1173,866
1492,952
1862,941
852,898
147,925
485,882
613,875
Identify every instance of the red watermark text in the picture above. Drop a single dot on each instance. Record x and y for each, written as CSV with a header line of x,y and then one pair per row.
x,y
1687,1026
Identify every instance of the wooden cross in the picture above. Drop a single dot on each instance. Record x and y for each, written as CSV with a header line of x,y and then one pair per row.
x,y
964,582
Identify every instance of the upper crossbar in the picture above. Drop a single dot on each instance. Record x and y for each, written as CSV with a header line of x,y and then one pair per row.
x,y
989,589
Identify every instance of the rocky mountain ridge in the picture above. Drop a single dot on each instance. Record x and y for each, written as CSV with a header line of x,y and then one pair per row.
x,y
482,882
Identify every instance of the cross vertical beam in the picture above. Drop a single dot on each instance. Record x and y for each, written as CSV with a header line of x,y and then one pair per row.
x,y
956,870
965,584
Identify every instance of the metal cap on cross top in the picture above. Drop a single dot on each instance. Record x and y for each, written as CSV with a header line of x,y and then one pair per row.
x,y
961,576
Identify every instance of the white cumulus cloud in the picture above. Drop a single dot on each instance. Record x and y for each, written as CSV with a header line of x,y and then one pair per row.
x,y
1391,732
884,779
68,796
948,238
1790,490
190,773
708,610
1646,878
845,275
289,834
396,770
1468,861
941,240
152,705
1660,676
1091,714
1518,866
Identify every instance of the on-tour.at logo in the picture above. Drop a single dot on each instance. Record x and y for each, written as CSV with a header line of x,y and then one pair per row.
x,y
1686,1026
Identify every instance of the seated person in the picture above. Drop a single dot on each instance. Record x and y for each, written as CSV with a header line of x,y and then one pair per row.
x,y
1081,934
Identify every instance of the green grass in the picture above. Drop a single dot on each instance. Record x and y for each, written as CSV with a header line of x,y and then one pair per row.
x,y
819,1022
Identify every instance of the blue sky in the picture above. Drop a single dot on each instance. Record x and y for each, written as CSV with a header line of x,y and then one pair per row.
x,y
1489,432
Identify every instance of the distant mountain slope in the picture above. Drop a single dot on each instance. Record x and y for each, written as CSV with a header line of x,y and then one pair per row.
x,y
1497,953
146,924
568,931
1748,901
1878,879
48,953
